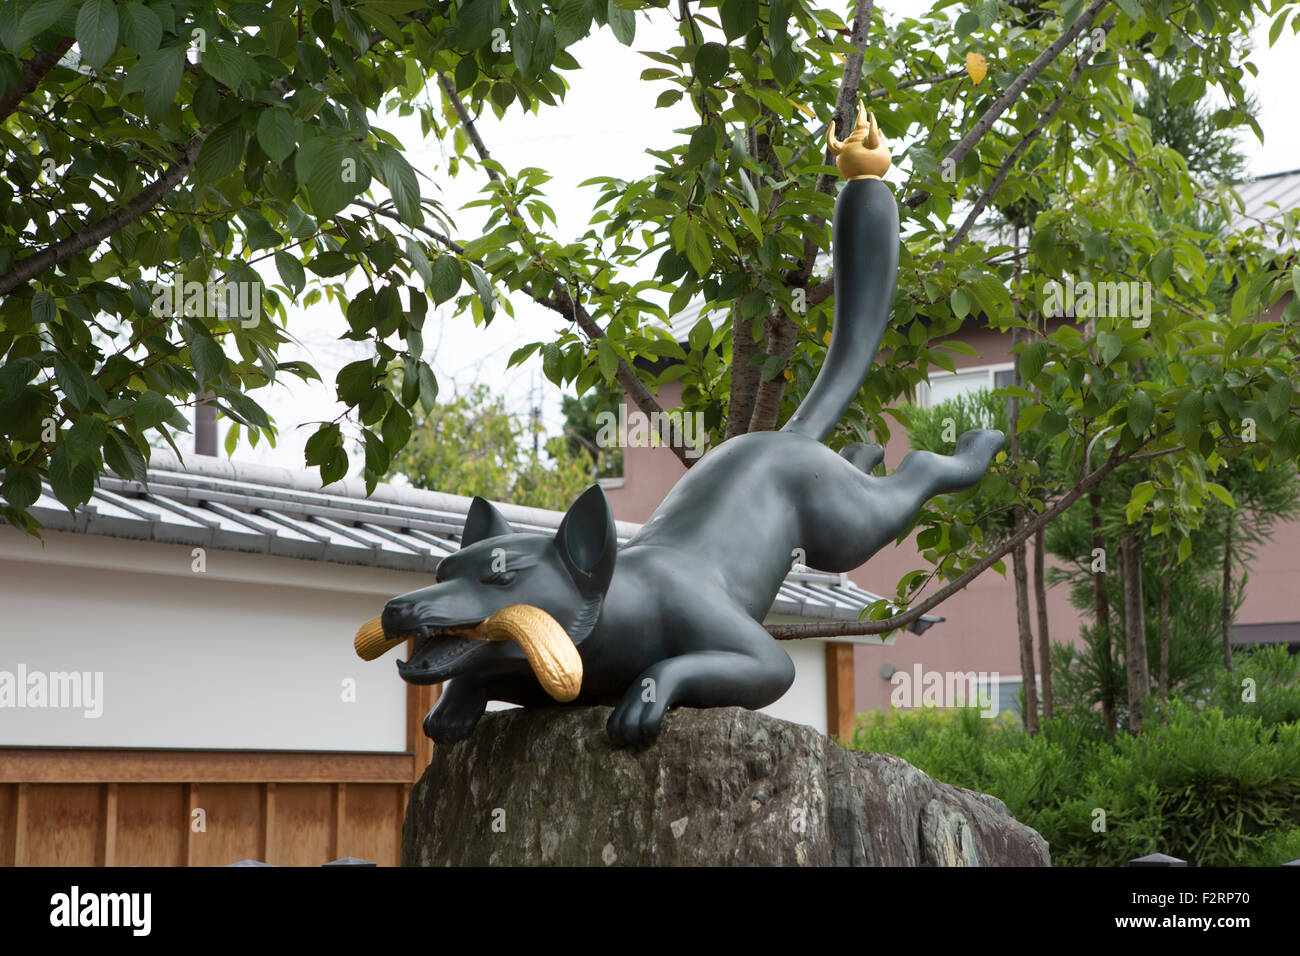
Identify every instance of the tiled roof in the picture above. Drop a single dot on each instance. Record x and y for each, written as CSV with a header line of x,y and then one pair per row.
x,y
216,503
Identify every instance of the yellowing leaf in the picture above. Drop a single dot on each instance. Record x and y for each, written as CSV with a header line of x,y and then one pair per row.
x,y
976,66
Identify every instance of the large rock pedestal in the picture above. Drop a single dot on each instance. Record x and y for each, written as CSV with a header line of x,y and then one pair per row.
x,y
724,786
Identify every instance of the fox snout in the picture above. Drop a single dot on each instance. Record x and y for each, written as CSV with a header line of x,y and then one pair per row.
x,y
400,618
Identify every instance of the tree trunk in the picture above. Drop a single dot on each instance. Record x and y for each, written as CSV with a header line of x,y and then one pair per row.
x,y
1101,612
1044,639
1164,628
1020,564
782,336
1227,595
1135,651
1028,683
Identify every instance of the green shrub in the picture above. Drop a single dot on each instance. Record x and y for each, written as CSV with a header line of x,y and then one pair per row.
x,y
1210,785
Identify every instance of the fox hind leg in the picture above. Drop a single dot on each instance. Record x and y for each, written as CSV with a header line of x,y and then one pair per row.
x,y
858,513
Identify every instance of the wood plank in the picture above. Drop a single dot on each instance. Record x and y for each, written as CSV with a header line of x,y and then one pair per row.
x,y
268,822
20,825
152,824
108,855
304,822
64,824
338,814
840,711
191,804
73,765
419,701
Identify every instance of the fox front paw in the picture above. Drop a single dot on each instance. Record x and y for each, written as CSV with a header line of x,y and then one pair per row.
x,y
448,728
635,722
455,716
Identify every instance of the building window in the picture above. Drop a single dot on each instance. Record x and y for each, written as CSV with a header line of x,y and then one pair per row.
x,y
945,385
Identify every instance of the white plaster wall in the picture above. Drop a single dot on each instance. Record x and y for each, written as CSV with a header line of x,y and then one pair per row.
x,y
805,701
251,654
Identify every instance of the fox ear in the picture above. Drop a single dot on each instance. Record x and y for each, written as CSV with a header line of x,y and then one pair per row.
x,y
587,542
483,521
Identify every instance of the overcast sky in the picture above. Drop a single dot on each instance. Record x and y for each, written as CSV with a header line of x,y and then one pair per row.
x,y
604,126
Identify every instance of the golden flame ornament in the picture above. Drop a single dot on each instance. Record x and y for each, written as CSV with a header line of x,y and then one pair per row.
x,y
864,154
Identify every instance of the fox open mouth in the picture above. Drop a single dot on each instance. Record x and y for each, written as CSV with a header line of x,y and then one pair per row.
x,y
439,651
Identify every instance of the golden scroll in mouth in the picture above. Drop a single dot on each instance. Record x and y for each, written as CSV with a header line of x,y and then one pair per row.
x,y
547,646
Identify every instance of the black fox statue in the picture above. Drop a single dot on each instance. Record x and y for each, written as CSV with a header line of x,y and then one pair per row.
x,y
674,618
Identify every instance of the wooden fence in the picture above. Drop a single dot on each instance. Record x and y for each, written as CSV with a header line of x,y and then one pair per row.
x,y
69,807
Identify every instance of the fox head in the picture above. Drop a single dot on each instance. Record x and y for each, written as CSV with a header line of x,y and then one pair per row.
x,y
565,575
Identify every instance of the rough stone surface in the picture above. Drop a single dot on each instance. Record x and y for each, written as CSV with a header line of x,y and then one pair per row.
x,y
721,787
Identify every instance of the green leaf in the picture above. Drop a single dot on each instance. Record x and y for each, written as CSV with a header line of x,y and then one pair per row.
x,y
321,444
703,143
966,24
290,270
1188,414
123,456
960,302
572,22
73,382
621,22
331,264
227,64
446,278
140,28
97,31
208,357
544,48
1140,412
1279,399
221,153
45,310
275,134
711,63
354,381
22,487
606,359
698,250
786,65
331,171
1221,493
151,410
85,438
71,481
1162,263
399,177
738,17
40,16
778,26
1031,360
1096,245
428,387
484,289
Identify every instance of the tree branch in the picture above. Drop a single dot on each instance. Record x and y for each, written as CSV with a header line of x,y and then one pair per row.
x,y
467,123
33,72
91,236
1003,102
791,632
560,300
1025,142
